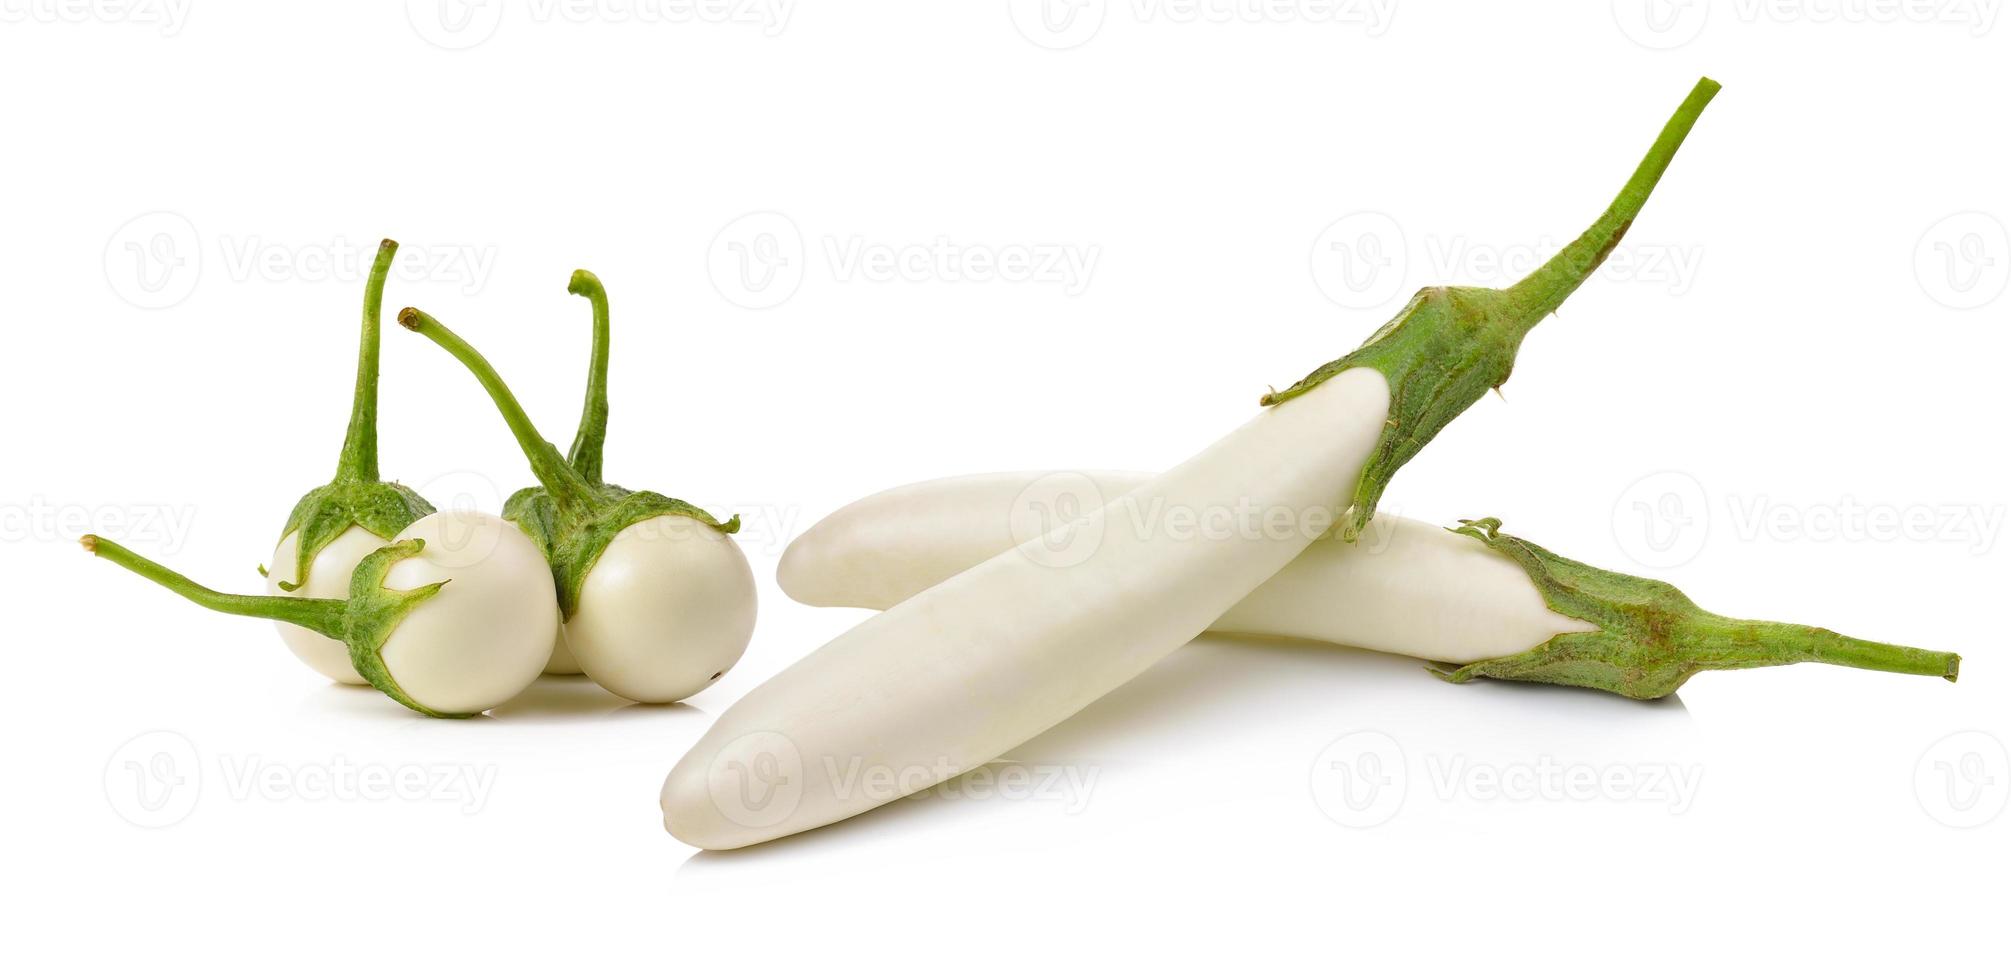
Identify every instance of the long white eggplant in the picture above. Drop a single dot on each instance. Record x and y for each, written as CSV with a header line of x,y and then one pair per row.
x,y
1404,587
964,671
1462,600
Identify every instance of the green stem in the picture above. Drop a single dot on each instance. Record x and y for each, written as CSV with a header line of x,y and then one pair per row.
x,y
324,616
1725,643
359,447
567,488
1543,291
591,439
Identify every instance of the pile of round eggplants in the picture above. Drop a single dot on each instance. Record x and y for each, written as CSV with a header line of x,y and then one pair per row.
x,y
452,613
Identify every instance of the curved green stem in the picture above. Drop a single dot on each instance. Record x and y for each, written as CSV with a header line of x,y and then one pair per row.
x,y
589,442
359,447
1541,292
567,488
323,616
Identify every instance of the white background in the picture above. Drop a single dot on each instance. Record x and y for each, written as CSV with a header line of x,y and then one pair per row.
x,y
1801,355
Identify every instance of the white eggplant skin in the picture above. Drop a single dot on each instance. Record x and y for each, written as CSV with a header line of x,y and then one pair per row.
x,y
484,637
666,610
1405,587
327,578
968,669
562,662
877,551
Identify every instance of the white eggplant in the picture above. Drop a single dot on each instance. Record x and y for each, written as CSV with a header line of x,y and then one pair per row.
x,y
1403,587
1470,601
450,620
335,525
963,671
655,599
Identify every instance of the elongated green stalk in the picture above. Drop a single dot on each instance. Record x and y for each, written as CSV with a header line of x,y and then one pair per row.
x,y
588,454
356,497
324,616
1650,638
590,442
1541,292
1444,350
1721,642
359,446
568,489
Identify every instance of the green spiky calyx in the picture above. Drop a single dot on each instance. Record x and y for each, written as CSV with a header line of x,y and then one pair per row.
x,y
573,539
572,514
356,497
1649,637
384,509
1445,349
374,611
364,621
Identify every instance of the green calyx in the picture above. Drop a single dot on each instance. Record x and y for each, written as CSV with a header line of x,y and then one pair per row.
x,y
572,514
364,621
1649,637
1451,344
356,497
374,611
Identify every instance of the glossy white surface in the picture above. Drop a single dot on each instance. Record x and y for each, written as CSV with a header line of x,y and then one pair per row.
x,y
960,673
486,634
1404,587
666,611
